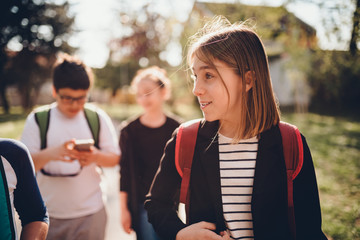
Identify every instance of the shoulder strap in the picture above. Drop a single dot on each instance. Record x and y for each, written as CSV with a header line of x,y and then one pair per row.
x,y
92,118
184,153
292,148
42,117
294,157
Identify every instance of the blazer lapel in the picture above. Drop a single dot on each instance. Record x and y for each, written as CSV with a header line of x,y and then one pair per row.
x,y
209,159
269,189
269,162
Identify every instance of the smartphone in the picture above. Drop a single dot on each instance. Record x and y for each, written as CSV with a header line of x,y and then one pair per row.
x,y
83,144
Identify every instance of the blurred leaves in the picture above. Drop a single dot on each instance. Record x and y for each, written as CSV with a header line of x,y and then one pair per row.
x,y
273,24
335,14
145,38
32,32
335,81
147,34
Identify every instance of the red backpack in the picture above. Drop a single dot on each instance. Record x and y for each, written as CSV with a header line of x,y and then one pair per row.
x,y
293,154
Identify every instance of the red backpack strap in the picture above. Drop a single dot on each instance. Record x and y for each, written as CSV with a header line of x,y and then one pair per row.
x,y
184,153
294,158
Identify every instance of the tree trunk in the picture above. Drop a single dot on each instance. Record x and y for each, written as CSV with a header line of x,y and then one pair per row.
x,y
3,97
3,82
355,31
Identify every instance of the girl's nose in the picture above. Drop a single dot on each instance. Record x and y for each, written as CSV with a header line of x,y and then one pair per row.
x,y
197,89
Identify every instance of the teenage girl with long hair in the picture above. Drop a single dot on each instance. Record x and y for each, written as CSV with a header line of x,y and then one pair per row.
x,y
238,181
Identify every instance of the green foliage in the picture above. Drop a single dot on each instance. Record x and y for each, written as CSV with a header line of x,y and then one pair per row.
x,y
335,81
148,33
37,25
269,21
12,124
335,146
114,76
39,29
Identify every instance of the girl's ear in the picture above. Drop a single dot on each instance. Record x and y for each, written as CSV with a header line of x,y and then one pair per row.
x,y
249,80
54,92
165,93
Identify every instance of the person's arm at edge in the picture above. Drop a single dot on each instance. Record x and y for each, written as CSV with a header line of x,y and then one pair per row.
x,y
34,231
106,159
32,212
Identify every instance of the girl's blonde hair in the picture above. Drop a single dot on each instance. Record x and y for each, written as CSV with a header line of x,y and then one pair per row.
x,y
157,75
240,47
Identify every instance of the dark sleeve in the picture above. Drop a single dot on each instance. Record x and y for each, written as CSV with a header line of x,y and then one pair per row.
x,y
27,198
161,199
306,201
126,157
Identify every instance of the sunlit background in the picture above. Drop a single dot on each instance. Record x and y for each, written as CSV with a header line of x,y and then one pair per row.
x,y
98,23
314,68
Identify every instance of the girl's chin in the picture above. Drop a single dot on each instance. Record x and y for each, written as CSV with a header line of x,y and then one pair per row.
x,y
209,118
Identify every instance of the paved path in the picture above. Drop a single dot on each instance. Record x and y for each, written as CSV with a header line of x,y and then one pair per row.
x,y
111,188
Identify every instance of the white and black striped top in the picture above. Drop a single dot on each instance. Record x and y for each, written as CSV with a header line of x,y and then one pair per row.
x,y
237,168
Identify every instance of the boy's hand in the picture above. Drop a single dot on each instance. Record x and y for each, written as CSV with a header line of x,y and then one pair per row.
x,y
201,231
62,152
87,157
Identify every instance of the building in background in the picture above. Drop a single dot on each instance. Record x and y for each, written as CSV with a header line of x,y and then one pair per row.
x,y
288,42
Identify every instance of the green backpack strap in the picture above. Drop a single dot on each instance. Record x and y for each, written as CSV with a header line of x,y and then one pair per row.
x,y
42,117
92,118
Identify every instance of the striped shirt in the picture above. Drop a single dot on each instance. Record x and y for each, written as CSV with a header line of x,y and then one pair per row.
x,y
237,168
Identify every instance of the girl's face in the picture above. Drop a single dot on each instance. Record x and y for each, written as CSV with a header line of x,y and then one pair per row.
x,y
149,95
218,91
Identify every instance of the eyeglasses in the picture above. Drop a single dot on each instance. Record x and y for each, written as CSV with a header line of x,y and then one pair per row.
x,y
70,100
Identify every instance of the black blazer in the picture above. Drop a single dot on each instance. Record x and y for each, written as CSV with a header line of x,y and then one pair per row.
x,y
269,200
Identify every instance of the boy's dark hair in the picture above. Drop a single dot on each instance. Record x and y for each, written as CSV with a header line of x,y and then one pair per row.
x,y
71,72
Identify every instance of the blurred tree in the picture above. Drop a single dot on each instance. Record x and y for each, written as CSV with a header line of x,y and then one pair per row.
x,y
32,32
277,27
355,35
334,76
334,80
115,75
146,35
334,15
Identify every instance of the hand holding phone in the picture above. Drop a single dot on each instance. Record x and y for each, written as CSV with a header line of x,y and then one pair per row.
x,y
83,144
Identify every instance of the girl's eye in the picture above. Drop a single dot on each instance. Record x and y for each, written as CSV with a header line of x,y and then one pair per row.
x,y
208,76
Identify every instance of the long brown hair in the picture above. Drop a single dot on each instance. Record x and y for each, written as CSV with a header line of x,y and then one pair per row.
x,y
240,47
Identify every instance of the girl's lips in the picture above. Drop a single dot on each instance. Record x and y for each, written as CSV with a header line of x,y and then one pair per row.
x,y
204,104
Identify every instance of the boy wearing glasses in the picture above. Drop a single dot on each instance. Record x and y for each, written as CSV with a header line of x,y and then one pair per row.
x,y
69,179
